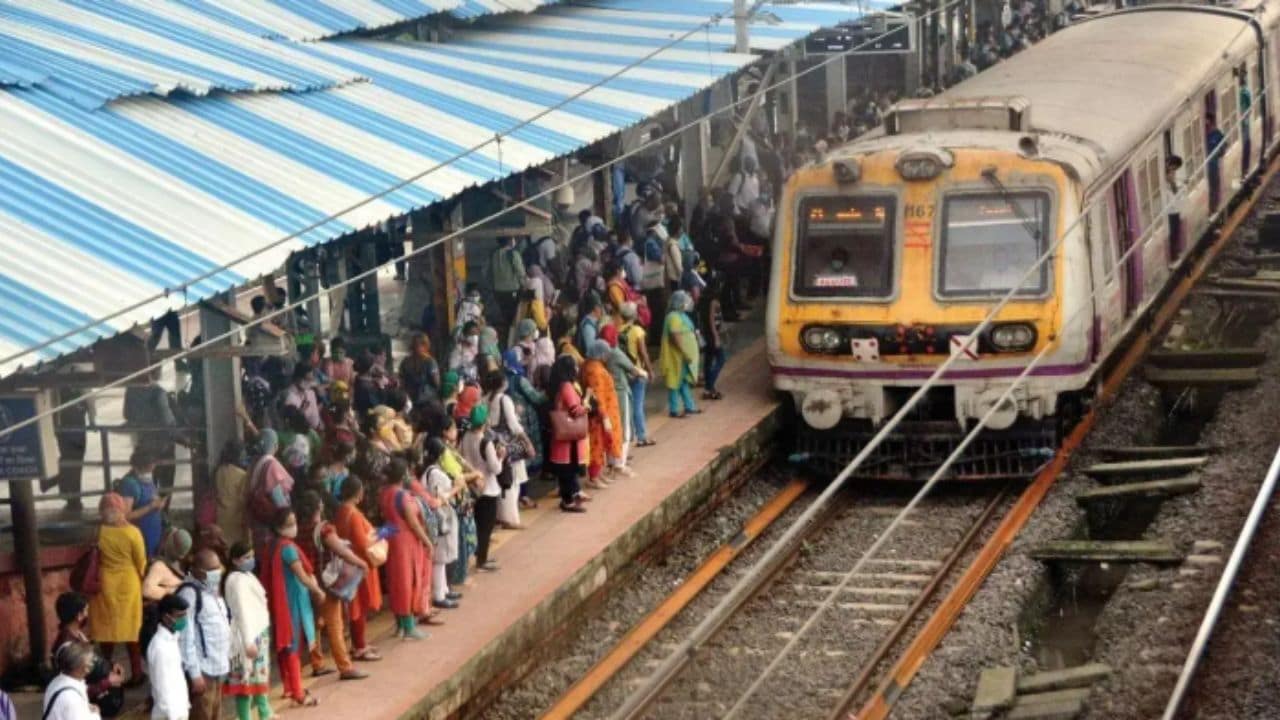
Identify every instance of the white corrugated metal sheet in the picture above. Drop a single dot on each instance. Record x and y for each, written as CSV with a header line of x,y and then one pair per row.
x,y
104,207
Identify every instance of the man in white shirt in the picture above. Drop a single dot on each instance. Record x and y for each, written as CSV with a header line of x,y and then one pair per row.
x,y
67,698
164,663
206,641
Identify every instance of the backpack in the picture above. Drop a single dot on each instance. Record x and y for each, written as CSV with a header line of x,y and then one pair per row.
x,y
195,615
643,314
506,478
652,248
624,342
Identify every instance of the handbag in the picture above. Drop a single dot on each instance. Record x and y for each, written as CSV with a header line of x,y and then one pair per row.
x,y
377,552
567,428
86,575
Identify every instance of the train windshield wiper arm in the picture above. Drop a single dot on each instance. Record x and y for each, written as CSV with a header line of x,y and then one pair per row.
x,y
1028,223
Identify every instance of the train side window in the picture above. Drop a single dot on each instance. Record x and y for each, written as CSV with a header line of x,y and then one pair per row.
x,y
1152,188
1228,100
1144,203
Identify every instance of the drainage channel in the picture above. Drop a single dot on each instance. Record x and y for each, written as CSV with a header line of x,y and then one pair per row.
x,y
1209,350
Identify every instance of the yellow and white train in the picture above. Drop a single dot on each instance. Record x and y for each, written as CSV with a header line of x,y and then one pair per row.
x,y
891,249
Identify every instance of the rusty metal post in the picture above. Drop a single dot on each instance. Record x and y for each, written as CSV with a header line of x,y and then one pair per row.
x,y
26,544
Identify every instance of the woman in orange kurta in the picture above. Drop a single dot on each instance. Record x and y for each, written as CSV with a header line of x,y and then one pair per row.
x,y
356,529
408,568
604,426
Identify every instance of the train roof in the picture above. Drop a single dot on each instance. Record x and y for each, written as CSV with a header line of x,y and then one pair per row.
x,y
1109,80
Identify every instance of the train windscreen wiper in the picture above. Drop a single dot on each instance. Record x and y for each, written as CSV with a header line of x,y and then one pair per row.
x,y
1028,223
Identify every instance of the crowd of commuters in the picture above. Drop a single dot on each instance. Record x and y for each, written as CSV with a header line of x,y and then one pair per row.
x,y
367,484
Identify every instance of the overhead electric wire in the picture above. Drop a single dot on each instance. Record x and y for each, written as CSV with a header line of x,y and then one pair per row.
x,y
372,271
495,139
739,593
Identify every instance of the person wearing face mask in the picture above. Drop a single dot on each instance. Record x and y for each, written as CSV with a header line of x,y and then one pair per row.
x,y
291,589
67,697
104,681
462,359
249,675
115,612
301,394
145,503
408,568
164,660
206,641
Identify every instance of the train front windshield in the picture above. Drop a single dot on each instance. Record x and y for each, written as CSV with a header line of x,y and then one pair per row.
x,y
989,240
844,247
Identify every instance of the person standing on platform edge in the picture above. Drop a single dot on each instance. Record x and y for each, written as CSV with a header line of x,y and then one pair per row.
x,y
115,613
566,457
711,325
164,660
408,568
249,679
507,268
632,341
678,358
104,681
205,642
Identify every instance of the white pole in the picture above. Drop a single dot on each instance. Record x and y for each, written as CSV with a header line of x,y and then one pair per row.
x,y
1224,588
741,39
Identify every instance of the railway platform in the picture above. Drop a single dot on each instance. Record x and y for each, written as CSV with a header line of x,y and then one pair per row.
x,y
557,565
560,562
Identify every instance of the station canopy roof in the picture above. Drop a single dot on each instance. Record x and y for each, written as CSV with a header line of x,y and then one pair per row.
x,y
148,145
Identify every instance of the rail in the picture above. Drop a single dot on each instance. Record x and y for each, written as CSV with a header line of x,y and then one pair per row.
x,y
1225,583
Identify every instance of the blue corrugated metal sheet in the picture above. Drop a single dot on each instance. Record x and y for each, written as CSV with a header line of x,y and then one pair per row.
x,y
106,205
316,19
91,53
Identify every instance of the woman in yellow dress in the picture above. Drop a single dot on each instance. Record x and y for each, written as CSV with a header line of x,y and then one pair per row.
x,y
115,613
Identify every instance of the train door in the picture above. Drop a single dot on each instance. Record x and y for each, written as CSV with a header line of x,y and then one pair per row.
x,y
1171,180
1213,146
1126,230
1245,102
1108,286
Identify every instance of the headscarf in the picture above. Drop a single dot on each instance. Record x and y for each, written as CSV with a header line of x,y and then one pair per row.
x,y
599,350
489,342
467,399
479,415
381,415
682,301
511,362
268,442
628,311
526,329
609,334
449,383
339,391
112,502
175,545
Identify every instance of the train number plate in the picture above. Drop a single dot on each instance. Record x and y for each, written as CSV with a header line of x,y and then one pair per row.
x,y
865,350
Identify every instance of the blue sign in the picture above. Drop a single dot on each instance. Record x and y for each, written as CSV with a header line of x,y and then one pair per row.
x,y
25,452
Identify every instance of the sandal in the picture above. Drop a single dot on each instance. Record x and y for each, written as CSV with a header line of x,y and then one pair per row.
x,y
321,672
646,443
712,395
367,655
681,416
432,619
308,700
353,675
528,503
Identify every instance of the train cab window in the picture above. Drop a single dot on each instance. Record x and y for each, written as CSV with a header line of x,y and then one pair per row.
x,y
989,240
845,247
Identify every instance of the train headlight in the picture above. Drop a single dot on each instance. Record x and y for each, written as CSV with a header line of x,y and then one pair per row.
x,y
923,164
1013,337
821,339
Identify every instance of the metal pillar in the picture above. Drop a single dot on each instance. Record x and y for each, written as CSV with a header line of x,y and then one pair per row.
x,y
693,152
741,35
793,97
837,73
221,385
26,542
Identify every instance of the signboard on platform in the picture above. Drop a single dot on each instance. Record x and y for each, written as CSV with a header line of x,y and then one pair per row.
x,y
30,451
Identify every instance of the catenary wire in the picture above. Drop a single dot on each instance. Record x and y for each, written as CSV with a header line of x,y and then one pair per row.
x,y
495,139
370,272
736,595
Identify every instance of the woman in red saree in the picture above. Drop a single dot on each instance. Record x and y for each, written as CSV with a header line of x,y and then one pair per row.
x,y
408,566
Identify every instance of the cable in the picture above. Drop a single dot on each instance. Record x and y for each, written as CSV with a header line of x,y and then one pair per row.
x,y
740,592
497,138
445,238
